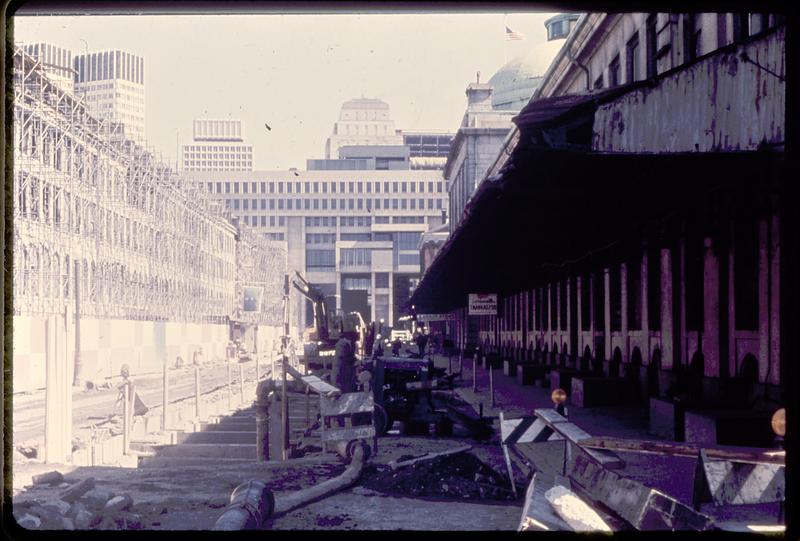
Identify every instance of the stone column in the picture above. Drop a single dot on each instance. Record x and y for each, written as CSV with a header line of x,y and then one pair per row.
x,y
623,303
569,319
711,323
667,321
763,299
607,312
774,375
579,316
731,302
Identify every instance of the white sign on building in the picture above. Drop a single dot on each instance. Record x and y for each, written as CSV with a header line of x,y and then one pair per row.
x,y
483,304
422,318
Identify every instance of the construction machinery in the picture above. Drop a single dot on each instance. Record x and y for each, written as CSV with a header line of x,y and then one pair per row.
x,y
320,340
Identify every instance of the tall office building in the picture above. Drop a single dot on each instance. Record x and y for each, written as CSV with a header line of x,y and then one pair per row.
x,y
427,150
217,145
362,121
56,61
112,86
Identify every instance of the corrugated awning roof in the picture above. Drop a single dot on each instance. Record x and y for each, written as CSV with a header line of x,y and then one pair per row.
x,y
546,112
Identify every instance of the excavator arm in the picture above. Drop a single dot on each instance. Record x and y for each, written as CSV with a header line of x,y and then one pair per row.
x,y
318,304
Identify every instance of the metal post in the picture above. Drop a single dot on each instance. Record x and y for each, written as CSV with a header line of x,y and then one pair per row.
x,y
164,394
77,378
262,420
491,383
284,410
197,391
126,418
241,383
475,373
230,387
258,377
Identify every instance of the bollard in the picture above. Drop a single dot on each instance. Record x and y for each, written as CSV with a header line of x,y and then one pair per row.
x,y
230,387
263,398
491,383
164,396
475,373
241,383
284,410
126,418
197,391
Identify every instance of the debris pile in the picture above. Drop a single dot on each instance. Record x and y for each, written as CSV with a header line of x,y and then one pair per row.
x,y
80,506
461,476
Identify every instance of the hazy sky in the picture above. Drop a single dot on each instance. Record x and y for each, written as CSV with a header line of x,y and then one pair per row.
x,y
294,71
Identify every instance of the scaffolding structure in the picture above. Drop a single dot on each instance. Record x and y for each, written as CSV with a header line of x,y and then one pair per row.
x,y
98,215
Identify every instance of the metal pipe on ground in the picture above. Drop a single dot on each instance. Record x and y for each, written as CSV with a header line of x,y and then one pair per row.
x,y
252,502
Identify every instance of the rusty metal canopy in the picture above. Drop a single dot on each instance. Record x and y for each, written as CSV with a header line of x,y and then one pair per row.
x,y
552,209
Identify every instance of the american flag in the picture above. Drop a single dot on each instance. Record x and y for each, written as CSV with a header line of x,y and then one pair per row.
x,y
510,34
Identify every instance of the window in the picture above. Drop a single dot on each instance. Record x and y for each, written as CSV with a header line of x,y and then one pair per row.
x,y
403,204
244,187
280,187
394,187
394,204
403,187
227,187
632,59
333,204
408,259
289,204
692,27
341,187
360,187
280,204
440,187
281,221
263,204
355,256
263,187
316,187
320,258
245,204
271,204
652,45
297,187
307,204
271,187
288,187
355,236
613,72
350,204
430,187
236,204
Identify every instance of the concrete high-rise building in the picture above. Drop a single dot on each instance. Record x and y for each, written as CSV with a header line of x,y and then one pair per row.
x,y
427,150
112,86
56,61
353,233
217,145
363,121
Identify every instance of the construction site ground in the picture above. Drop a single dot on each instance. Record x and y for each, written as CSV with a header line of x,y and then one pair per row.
x,y
193,496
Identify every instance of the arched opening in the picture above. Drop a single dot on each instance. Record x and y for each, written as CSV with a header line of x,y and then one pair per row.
x,y
748,370
615,363
554,355
537,354
565,354
586,359
694,375
652,374
545,354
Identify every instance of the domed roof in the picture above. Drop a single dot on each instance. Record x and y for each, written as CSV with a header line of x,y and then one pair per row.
x,y
515,82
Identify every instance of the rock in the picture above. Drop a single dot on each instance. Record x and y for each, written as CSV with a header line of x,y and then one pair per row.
x,y
19,458
58,506
96,498
52,477
68,524
29,522
118,503
134,521
63,485
77,490
76,508
85,519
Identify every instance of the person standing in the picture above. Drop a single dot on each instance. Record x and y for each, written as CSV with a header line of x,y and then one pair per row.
x,y
343,370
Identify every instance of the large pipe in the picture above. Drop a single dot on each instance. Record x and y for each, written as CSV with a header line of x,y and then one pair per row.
x,y
252,502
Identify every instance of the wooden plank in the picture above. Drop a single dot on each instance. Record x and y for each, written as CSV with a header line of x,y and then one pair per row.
x,y
750,456
549,416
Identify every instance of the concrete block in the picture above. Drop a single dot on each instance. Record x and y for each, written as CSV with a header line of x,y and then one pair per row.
x,y
574,511
594,391
728,427
217,436
664,420
118,503
208,450
510,367
139,428
52,478
85,520
77,490
561,378
152,423
81,457
527,374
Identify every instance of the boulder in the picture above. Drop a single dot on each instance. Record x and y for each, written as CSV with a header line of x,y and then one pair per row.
x,y
29,522
96,498
85,519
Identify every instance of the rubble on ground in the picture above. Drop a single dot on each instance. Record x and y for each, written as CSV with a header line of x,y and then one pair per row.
x,y
462,476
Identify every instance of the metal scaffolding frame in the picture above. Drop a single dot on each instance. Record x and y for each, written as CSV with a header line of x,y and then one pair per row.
x,y
99,212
